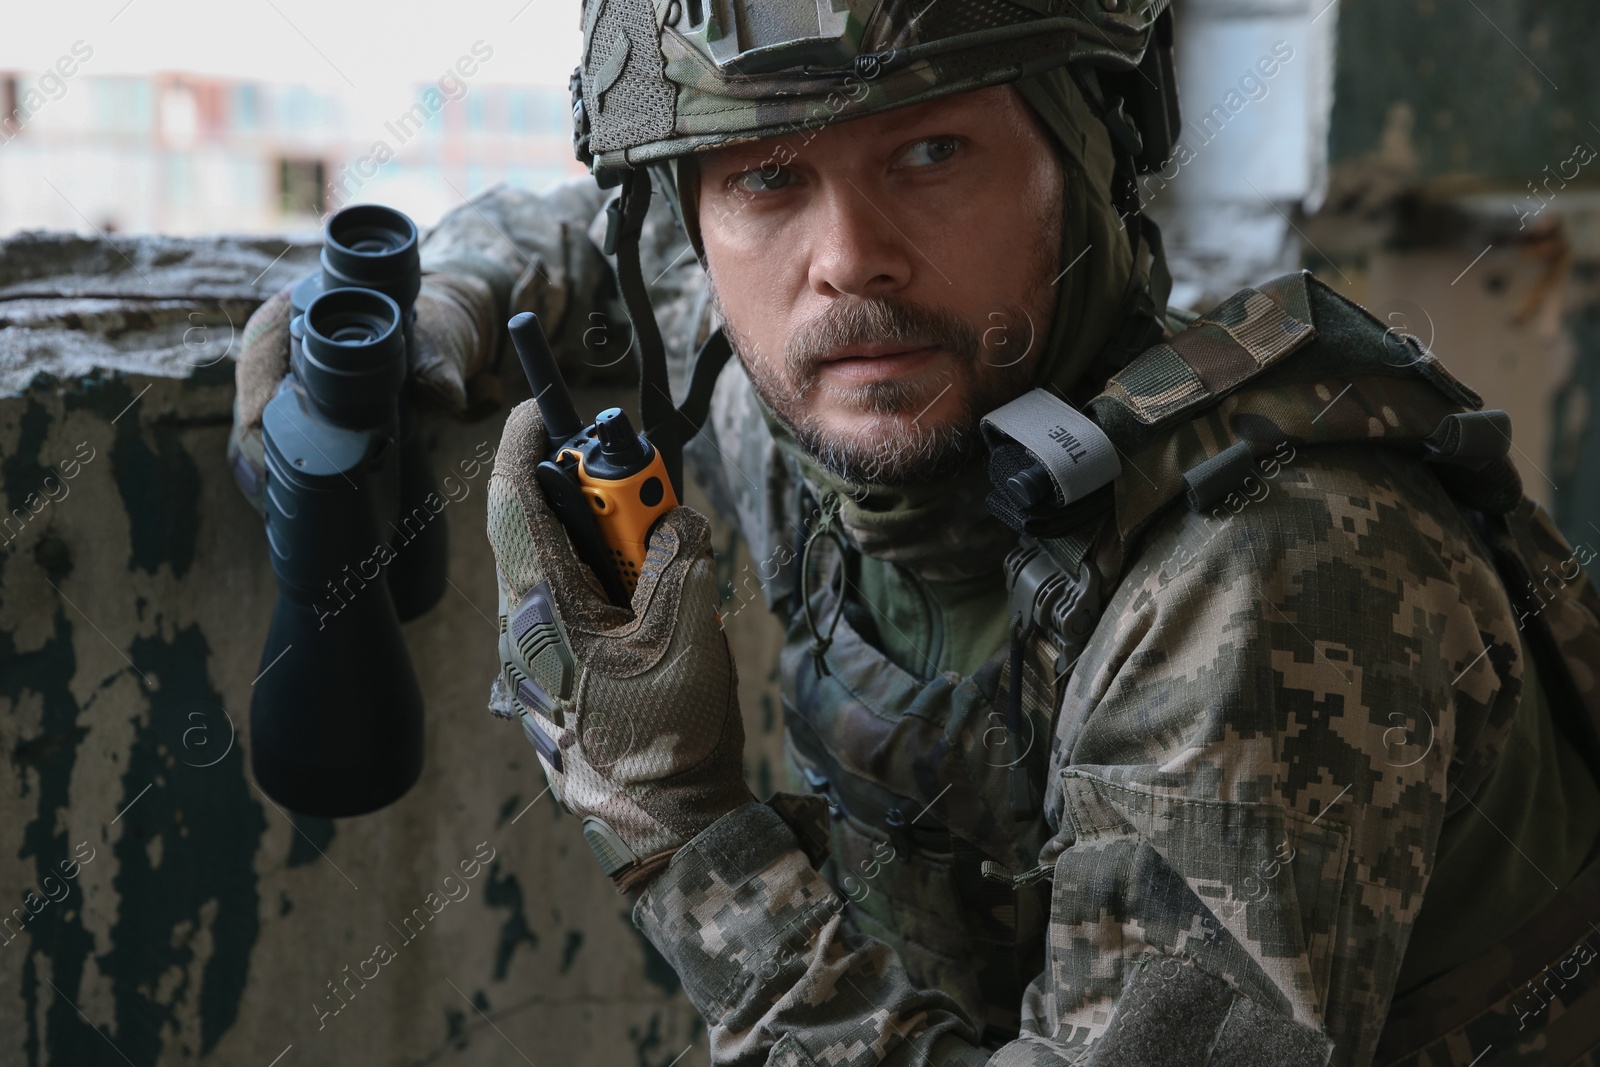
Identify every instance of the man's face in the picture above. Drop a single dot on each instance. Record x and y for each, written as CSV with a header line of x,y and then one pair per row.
x,y
889,282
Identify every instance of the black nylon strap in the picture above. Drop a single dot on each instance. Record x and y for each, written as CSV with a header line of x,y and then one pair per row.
x,y
1567,705
667,426
1471,437
708,363
656,410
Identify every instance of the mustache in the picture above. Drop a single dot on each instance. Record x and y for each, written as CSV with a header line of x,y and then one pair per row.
x,y
877,319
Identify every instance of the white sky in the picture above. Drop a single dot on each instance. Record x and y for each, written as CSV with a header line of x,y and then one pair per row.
x,y
315,42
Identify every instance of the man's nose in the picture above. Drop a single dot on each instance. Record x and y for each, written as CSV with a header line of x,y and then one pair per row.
x,y
860,249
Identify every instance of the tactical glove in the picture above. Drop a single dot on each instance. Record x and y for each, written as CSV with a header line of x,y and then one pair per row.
x,y
634,714
455,335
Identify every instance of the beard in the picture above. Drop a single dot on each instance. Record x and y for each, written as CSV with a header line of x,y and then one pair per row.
x,y
901,447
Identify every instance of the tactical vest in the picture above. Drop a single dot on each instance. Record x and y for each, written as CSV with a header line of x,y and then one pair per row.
x,y
933,782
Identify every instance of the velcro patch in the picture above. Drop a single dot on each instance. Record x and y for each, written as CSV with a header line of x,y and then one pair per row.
x,y
1229,345
1172,1014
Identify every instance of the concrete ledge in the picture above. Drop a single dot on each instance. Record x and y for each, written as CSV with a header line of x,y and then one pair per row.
x,y
164,306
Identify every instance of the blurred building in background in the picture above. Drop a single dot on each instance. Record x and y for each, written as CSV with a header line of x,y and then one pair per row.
x,y
184,154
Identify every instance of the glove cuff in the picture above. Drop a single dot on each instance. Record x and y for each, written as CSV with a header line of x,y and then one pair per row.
x,y
641,873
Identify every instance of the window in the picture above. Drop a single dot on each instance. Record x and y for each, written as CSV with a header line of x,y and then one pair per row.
x,y
302,186
10,122
517,110
246,107
558,112
124,105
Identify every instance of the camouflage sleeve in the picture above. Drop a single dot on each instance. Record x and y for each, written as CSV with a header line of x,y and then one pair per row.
x,y
1253,762
756,936
541,252
532,249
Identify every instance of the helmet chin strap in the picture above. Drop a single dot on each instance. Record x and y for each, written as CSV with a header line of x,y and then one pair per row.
x,y
666,425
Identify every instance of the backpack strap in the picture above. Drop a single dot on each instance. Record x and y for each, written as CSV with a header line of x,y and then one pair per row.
x,y
1270,369
1291,363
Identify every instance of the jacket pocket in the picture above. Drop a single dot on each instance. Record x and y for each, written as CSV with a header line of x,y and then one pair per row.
x,y
1247,892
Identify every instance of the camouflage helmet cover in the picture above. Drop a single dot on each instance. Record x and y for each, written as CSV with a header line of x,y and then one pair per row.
x,y
663,78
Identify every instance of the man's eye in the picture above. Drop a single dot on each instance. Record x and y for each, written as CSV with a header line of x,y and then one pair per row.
x,y
933,150
763,180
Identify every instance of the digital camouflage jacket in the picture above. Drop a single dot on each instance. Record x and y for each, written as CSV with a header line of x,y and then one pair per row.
x,y
1292,714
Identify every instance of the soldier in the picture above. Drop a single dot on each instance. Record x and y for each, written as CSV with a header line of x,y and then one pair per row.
x,y
1155,690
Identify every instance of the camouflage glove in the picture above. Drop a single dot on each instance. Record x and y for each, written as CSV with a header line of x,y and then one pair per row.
x,y
634,715
455,335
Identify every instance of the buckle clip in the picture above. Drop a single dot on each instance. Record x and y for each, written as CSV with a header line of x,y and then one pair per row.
x,y
1065,606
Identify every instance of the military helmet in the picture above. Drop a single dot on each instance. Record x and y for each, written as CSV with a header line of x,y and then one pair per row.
x,y
663,78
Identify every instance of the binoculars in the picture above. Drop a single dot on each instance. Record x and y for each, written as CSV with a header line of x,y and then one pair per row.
x,y
336,719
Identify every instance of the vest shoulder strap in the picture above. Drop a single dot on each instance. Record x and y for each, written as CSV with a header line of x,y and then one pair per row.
x,y
1235,341
1289,364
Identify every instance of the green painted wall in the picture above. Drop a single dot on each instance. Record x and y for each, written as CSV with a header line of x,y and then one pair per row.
x,y
1497,89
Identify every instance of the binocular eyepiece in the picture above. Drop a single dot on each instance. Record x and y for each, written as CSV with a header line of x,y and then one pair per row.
x,y
367,246
336,718
349,352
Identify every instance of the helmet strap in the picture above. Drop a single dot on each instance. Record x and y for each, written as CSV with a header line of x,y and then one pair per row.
x,y
668,427
656,410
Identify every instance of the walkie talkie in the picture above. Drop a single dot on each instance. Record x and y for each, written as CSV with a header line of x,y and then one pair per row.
x,y
606,483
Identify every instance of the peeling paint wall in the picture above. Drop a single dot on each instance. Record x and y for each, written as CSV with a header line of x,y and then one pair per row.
x,y
200,923
1489,87
1459,209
